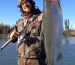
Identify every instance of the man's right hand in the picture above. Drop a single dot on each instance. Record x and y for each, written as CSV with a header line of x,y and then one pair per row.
x,y
14,35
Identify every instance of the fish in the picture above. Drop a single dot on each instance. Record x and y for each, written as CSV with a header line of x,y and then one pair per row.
x,y
52,30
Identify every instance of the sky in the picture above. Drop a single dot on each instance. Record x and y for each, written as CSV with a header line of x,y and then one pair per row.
x,y
10,13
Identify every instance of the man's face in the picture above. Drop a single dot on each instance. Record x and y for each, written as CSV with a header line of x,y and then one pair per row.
x,y
26,6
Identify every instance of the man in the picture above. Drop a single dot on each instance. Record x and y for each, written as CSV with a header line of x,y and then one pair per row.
x,y
30,47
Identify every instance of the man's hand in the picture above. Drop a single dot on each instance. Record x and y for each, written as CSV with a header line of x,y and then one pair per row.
x,y
14,35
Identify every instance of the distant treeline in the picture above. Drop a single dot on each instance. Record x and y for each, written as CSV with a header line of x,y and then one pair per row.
x,y
5,29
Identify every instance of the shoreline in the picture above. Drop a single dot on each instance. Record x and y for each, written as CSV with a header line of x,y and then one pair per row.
x,y
3,34
69,34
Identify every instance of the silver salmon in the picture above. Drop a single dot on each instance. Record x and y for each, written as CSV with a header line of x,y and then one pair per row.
x,y
53,30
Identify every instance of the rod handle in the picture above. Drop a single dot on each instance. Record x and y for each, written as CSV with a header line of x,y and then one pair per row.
x,y
6,43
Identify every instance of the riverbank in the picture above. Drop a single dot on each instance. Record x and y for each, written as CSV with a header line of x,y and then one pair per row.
x,y
3,34
66,32
69,34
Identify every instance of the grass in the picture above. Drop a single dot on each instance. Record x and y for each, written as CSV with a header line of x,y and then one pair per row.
x,y
69,34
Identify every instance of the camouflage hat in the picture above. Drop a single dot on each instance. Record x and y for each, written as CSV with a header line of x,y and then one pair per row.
x,y
21,1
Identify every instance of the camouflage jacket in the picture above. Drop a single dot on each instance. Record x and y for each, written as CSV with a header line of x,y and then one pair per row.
x,y
34,46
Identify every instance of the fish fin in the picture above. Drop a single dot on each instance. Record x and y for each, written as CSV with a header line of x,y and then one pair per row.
x,y
65,36
60,57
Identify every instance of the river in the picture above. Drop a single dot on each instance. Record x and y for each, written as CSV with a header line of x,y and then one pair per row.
x,y
8,55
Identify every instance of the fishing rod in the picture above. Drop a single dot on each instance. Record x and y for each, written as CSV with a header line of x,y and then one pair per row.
x,y
12,39
19,32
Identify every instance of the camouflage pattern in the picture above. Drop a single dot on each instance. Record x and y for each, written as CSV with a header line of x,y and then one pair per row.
x,y
23,61
33,47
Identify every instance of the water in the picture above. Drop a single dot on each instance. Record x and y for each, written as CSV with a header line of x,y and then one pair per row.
x,y
68,52
8,56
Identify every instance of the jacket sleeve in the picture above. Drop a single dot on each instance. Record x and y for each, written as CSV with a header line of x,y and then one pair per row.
x,y
15,40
